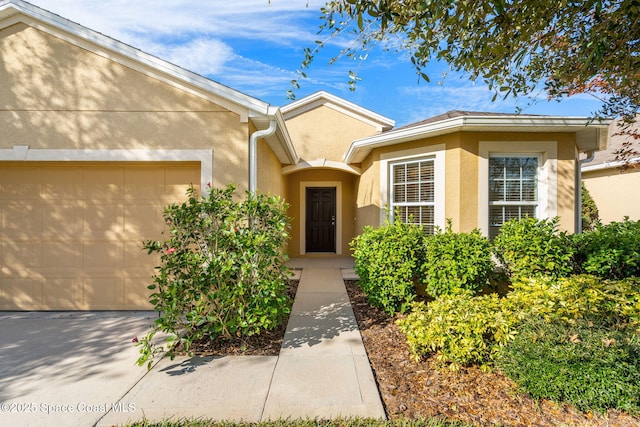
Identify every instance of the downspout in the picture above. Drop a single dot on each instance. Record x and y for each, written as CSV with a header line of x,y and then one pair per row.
x,y
590,155
253,153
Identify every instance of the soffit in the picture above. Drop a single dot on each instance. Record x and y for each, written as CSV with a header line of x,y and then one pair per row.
x,y
590,135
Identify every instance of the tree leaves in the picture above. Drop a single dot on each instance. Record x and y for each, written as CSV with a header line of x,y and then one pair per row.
x,y
514,46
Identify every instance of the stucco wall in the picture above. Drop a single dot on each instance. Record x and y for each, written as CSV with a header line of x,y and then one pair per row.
x,y
270,179
462,175
58,95
615,193
324,133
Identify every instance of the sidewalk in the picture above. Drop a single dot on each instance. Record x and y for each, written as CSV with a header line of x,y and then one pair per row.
x,y
322,370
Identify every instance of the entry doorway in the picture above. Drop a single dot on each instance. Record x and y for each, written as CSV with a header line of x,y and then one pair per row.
x,y
320,223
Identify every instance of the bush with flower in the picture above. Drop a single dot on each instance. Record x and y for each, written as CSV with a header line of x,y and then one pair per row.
x,y
222,270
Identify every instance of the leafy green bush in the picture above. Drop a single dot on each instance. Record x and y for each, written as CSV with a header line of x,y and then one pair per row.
x,y
221,270
387,260
610,251
590,214
460,328
612,303
455,261
591,367
534,248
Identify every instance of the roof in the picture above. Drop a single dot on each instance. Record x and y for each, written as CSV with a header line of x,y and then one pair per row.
x,y
608,159
590,134
321,98
247,107
459,113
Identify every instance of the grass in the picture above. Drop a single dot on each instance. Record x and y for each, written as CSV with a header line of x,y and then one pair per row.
x,y
592,367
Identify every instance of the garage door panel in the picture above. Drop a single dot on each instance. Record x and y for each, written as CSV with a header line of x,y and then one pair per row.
x,y
22,257
103,184
103,293
103,221
142,183
71,233
62,255
62,293
136,258
62,220
21,219
138,219
21,293
21,184
62,183
105,256
136,294
177,182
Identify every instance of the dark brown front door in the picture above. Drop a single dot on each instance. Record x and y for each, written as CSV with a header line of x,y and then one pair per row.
x,y
321,219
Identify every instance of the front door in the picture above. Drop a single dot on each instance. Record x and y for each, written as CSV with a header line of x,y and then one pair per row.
x,y
321,219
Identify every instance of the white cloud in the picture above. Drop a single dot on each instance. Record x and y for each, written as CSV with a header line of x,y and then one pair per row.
x,y
251,19
437,99
204,56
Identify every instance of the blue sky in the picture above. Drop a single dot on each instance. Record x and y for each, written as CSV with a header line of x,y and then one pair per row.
x,y
256,46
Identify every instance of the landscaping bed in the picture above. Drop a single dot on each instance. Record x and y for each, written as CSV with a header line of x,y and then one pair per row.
x,y
268,343
419,390
413,390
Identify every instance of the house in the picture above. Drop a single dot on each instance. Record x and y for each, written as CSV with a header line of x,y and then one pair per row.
x,y
96,137
612,186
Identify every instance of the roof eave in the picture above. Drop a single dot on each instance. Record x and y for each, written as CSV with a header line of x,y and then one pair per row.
x,y
589,135
280,142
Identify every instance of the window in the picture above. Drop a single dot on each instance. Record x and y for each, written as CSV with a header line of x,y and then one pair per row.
x,y
513,189
413,192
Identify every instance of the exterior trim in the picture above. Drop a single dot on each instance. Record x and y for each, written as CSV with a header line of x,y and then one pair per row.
x,y
321,163
437,152
547,175
589,136
609,165
303,212
205,157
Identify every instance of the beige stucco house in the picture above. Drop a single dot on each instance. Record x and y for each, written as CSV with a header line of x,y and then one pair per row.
x,y
96,137
613,187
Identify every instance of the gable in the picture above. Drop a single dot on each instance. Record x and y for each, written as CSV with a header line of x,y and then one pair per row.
x,y
43,72
326,133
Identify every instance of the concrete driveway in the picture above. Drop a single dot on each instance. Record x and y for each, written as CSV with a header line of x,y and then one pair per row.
x,y
68,368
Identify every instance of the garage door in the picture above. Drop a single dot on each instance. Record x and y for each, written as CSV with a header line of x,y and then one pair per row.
x,y
72,232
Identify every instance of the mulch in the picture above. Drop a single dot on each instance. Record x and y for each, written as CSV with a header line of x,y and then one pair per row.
x,y
418,389
415,389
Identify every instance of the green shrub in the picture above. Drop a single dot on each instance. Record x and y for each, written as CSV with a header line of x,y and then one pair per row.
x,y
590,214
591,367
460,328
464,329
610,251
455,261
534,248
612,303
387,260
221,270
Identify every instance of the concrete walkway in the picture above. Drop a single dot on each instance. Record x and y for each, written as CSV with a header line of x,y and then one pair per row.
x,y
322,370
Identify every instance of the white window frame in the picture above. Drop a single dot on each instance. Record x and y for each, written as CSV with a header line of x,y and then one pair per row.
x,y
539,173
547,175
433,152
392,185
